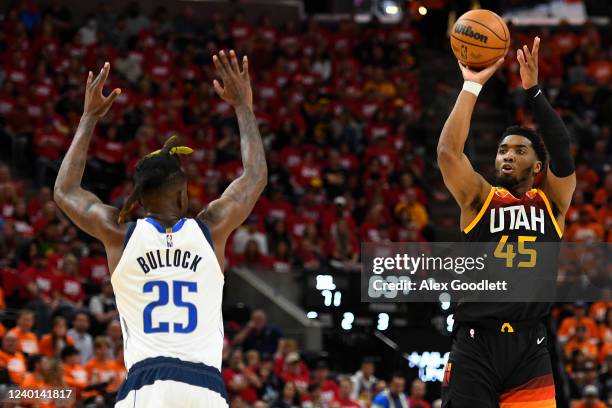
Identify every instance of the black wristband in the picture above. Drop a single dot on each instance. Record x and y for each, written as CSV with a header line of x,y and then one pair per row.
x,y
533,91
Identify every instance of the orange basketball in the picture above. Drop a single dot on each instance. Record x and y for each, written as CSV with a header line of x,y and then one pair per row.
x,y
479,38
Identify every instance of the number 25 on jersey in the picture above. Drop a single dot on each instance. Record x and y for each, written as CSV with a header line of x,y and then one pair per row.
x,y
177,297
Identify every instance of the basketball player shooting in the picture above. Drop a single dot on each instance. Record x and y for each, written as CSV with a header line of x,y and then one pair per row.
x,y
168,268
499,355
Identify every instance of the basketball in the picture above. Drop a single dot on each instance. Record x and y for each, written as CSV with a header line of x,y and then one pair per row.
x,y
479,38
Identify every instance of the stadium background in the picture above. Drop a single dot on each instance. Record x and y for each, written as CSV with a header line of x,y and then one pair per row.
x,y
350,113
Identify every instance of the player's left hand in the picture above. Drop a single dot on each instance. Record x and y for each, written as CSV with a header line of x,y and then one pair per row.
x,y
528,61
96,104
236,88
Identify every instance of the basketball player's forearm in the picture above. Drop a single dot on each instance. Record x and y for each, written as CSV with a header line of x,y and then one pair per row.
x,y
71,171
457,126
255,170
554,133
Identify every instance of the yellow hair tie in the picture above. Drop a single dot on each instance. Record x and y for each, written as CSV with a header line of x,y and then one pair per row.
x,y
173,150
181,150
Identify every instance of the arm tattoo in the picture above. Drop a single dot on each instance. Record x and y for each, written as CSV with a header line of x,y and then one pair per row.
x,y
71,171
78,204
249,186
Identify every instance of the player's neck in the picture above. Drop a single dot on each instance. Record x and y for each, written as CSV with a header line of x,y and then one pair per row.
x,y
165,218
518,190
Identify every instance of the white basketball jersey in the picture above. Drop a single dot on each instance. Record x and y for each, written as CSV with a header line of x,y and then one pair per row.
x,y
168,287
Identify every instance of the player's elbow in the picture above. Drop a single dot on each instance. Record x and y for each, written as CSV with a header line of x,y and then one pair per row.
x,y
445,155
260,181
58,194
263,182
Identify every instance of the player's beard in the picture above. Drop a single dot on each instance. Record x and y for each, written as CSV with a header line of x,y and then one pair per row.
x,y
509,182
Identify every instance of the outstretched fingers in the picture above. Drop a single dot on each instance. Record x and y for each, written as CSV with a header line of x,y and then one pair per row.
x,y
226,64
520,57
528,57
536,48
99,81
220,67
245,67
234,63
111,98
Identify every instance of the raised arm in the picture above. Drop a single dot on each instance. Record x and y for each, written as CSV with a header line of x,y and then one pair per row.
x,y
81,206
228,212
560,179
467,186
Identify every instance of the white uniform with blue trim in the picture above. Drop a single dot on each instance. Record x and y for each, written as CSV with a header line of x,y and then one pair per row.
x,y
168,287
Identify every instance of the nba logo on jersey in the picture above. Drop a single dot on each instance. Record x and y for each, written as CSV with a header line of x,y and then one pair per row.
x,y
169,240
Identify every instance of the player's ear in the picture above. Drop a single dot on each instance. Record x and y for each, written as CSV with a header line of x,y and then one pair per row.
x,y
537,167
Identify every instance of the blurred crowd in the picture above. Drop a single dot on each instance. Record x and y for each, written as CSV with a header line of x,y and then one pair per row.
x,y
341,115
584,333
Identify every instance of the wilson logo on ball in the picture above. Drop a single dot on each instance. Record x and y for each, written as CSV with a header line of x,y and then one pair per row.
x,y
468,32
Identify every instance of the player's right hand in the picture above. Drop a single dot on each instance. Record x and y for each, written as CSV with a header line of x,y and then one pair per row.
x,y
480,77
236,88
96,104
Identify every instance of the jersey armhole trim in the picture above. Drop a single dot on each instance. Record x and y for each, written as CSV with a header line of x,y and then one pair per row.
x,y
480,214
550,212
128,233
206,231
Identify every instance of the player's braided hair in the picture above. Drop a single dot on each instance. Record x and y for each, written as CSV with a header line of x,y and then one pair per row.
x,y
534,138
154,171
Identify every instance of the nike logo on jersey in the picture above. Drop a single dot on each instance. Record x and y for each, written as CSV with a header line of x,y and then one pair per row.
x,y
515,217
537,93
541,340
169,257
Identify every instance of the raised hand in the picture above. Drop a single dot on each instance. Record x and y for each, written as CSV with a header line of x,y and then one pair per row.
x,y
96,104
528,62
236,88
480,77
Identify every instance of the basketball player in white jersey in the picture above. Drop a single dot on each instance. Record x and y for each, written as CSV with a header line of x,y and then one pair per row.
x,y
167,269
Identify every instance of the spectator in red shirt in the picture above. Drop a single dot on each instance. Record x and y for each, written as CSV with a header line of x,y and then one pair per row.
x,y
240,29
252,257
48,145
417,395
329,388
94,268
282,257
240,380
108,157
48,215
294,372
344,399
39,282
70,288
